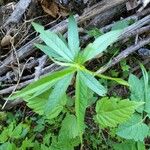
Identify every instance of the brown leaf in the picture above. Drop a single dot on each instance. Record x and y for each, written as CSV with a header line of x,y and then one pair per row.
x,y
50,8
63,11
53,9
6,40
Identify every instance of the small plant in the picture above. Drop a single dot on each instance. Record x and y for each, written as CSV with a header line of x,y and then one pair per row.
x,y
130,124
137,125
47,96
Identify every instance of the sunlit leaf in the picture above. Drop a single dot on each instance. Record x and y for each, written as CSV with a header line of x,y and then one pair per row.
x,y
80,103
54,42
58,92
49,52
69,129
39,103
120,25
45,81
113,111
100,44
73,37
39,28
118,80
92,83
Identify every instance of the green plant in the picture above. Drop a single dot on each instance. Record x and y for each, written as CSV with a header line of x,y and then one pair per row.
x,y
137,125
113,111
26,133
130,120
128,145
47,96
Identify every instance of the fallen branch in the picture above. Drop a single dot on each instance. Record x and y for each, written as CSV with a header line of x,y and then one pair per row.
x,y
20,8
39,68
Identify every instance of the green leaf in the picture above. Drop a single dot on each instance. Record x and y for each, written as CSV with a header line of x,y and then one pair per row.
x,y
137,88
94,32
73,37
81,103
113,111
26,144
42,83
54,42
6,133
57,93
39,28
69,128
92,83
8,146
49,52
129,145
146,88
100,44
17,131
147,104
68,135
133,129
39,103
119,80
120,25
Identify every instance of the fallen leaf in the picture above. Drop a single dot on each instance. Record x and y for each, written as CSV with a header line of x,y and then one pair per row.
x,y
53,9
50,8
6,40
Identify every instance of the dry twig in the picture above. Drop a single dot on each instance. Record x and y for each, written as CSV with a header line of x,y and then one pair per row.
x,y
15,17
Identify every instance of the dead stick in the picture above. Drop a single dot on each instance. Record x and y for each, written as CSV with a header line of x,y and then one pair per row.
x,y
15,17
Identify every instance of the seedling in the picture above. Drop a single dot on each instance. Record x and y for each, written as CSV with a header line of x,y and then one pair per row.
x,y
47,96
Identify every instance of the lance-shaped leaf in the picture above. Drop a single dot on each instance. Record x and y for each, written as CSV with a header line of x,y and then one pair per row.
x,y
92,83
100,44
49,52
133,129
54,42
73,37
113,111
58,92
118,80
44,82
39,28
80,103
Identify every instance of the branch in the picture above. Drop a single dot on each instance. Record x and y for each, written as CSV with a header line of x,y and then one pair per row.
x,y
15,17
